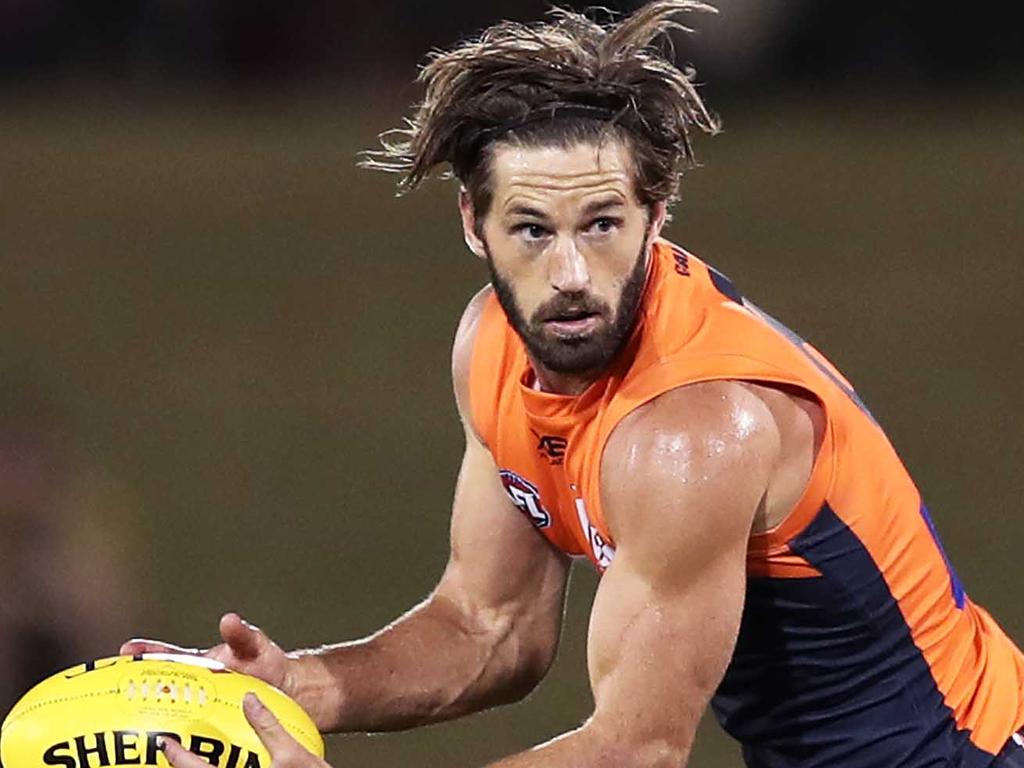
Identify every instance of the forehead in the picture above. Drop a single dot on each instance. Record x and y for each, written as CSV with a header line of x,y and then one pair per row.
x,y
555,174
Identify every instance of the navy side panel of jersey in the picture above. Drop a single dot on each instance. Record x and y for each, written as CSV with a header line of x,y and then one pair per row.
x,y
826,674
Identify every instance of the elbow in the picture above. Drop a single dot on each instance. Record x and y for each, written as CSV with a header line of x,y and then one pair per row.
x,y
647,755
659,755
513,653
528,657
619,748
531,669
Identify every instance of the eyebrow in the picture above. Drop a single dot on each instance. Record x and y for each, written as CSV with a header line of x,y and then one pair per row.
x,y
602,205
521,209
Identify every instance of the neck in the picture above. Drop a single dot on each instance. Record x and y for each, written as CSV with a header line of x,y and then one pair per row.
x,y
562,383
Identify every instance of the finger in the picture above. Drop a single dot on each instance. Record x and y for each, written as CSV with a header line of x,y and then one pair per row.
x,y
245,640
139,645
178,756
277,740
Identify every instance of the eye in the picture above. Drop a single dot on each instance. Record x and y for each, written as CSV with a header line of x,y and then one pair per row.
x,y
604,225
531,232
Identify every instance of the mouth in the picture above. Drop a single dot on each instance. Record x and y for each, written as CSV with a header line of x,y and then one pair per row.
x,y
573,323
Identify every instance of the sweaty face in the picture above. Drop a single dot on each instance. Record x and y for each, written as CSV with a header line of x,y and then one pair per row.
x,y
566,242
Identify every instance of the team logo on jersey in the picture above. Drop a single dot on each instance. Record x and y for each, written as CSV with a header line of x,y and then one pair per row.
x,y
553,447
525,496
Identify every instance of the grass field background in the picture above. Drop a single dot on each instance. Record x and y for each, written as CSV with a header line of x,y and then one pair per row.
x,y
248,338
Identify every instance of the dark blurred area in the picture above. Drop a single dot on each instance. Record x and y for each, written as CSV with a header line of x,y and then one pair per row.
x,y
224,348
752,44
66,544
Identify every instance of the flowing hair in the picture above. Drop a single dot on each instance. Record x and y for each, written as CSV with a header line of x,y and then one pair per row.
x,y
561,81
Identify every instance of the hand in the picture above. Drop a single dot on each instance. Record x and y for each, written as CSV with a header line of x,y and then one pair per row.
x,y
285,752
245,649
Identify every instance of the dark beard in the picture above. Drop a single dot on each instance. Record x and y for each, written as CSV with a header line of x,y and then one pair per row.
x,y
582,354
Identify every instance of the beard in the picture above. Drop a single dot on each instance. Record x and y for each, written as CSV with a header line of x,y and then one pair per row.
x,y
584,353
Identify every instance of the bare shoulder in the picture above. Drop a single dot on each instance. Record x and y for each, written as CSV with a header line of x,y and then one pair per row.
x,y
697,458
462,348
715,422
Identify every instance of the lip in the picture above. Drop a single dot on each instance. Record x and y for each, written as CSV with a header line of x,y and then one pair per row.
x,y
576,327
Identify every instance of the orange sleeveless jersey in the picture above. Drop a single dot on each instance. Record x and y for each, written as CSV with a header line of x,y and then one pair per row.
x,y
858,644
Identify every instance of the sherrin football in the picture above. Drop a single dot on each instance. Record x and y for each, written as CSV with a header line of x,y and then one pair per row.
x,y
110,712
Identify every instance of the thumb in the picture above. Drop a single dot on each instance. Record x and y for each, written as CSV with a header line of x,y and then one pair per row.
x,y
178,756
276,739
245,640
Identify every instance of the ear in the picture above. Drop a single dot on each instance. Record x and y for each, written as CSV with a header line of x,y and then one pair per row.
x,y
469,225
659,215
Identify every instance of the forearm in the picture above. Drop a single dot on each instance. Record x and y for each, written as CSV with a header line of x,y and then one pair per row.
x,y
587,747
433,664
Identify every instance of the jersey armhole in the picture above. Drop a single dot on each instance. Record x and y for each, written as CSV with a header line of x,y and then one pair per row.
x,y
776,539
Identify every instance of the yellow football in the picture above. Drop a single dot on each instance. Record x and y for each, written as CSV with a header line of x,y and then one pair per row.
x,y
110,712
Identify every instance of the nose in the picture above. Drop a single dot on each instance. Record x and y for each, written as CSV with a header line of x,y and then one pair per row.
x,y
567,268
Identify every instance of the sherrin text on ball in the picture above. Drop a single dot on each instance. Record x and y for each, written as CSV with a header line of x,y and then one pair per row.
x,y
112,712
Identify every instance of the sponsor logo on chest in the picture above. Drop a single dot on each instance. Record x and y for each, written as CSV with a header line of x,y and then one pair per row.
x,y
552,447
603,552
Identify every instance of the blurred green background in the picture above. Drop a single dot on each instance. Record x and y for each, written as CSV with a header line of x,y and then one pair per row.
x,y
224,349
245,338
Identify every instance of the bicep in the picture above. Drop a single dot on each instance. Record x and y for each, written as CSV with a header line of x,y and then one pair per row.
x,y
496,554
657,651
499,562
680,502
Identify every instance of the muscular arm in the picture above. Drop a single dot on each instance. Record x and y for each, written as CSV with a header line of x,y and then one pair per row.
x,y
680,502
485,636
683,479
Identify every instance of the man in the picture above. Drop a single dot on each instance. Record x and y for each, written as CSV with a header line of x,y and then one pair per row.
x,y
762,547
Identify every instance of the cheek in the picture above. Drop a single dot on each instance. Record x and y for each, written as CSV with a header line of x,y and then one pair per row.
x,y
611,282
519,281
530,297
503,252
524,277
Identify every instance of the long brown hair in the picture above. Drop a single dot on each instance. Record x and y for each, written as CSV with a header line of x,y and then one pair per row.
x,y
561,81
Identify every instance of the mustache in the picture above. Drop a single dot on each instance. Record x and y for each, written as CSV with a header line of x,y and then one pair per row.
x,y
569,305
